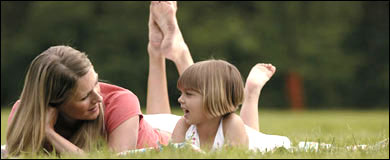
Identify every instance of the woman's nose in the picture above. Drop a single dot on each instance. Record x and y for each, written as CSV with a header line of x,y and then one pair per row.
x,y
98,97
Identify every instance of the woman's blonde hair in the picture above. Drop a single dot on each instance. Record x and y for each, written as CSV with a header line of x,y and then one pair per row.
x,y
218,81
50,80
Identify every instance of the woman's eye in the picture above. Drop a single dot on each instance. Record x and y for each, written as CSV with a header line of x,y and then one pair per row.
x,y
84,98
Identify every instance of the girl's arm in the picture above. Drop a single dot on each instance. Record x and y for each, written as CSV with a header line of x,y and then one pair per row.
x,y
178,135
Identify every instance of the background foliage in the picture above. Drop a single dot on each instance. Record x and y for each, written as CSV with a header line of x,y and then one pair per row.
x,y
340,49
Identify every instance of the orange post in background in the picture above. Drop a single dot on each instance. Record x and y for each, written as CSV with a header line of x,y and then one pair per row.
x,y
294,90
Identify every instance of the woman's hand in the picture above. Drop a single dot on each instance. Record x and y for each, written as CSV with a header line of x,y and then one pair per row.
x,y
51,118
61,144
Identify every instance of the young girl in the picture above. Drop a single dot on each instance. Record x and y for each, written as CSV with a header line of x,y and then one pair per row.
x,y
212,91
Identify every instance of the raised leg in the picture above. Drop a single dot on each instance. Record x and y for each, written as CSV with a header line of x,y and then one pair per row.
x,y
173,46
165,41
157,92
257,78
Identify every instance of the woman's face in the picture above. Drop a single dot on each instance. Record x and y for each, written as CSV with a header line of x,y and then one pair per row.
x,y
84,103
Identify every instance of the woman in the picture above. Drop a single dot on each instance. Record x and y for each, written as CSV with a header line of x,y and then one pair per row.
x,y
63,105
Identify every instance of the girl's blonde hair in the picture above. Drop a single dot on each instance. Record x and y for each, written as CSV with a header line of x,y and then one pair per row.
x,y
50,80
218,81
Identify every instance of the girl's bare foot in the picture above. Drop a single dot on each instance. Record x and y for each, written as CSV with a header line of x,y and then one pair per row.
x,y
172,45
155,38
164,13
258,76
161,17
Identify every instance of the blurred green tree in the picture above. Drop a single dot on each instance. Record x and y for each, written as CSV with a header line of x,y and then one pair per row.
x,y
338,50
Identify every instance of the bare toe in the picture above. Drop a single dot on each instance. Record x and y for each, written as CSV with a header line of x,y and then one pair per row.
x,y
259,75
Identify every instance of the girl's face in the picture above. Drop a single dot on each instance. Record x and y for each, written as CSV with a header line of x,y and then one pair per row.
x,y
84,105
192,105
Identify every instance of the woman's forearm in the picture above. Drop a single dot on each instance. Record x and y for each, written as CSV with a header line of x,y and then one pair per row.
x,y
61,144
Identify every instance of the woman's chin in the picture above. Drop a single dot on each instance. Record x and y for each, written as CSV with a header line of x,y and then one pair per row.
x,y
94,115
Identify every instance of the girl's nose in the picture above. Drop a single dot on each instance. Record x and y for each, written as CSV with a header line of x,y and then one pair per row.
x,y
180,100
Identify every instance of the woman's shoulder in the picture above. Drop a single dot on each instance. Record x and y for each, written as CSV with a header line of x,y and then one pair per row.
x,y
106,87
115,95
109,90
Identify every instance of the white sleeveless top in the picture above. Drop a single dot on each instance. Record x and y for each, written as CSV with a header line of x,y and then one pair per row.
x,y
193,136
257,141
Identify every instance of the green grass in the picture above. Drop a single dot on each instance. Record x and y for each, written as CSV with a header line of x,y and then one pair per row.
x,y
340,128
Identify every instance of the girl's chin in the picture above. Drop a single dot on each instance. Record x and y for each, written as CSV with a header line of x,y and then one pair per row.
x,y
187,121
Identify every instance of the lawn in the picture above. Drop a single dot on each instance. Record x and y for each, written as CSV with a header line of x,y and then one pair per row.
x,y
340,128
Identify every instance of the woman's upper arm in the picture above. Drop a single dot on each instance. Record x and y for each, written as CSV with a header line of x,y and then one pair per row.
x,y
179,132
122,115
124,137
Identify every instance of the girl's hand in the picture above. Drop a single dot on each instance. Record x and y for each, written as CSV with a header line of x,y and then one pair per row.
x,y
178,134
51,118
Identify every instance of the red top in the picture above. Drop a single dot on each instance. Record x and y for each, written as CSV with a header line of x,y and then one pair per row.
x,y
120,105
